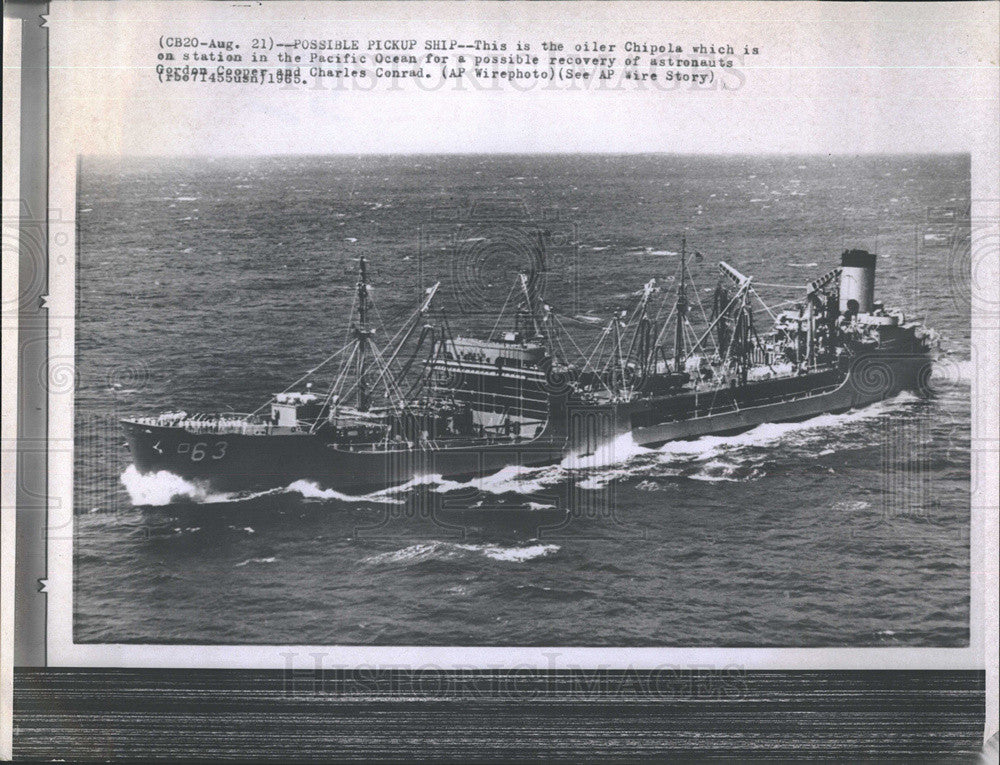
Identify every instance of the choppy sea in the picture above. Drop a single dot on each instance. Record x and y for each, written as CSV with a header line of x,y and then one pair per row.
x,y
208,285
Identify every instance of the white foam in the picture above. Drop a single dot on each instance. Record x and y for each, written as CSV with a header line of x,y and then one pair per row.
x,y
622,458
618,450
513,478
163,488
451,550
411,553
851,506
648,485
311,490
515,554
248,561
772,432
716,470
598,482
159,488
435,482
517,479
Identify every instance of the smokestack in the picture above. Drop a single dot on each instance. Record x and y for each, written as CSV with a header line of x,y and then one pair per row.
x,y
857,281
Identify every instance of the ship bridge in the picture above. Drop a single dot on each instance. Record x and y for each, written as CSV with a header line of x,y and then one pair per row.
x,y
510,350
502,380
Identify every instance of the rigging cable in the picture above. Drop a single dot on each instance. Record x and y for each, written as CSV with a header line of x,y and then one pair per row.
x,y
502,309
304,377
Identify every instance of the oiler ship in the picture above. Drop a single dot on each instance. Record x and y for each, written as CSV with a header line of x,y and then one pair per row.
x,y
428,402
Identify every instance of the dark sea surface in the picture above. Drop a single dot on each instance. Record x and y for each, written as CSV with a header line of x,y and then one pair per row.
x,y
210,284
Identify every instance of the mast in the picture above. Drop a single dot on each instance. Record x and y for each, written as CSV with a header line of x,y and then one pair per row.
x,y
362,335
363,294
641,342
681,309
538,311
530,300
809,330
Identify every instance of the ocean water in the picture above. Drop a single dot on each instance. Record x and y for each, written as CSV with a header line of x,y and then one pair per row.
x,y
209,284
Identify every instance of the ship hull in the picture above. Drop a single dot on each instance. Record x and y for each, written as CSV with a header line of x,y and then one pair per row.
x,y
233,462
227,462
870,379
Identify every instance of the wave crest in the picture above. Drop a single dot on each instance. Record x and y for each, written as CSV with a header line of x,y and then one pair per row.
x,y
160,488
436,550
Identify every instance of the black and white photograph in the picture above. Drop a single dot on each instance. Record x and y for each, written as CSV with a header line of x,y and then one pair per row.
x,y
616,400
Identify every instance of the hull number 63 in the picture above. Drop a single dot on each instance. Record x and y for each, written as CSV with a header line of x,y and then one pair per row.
x,y
201,450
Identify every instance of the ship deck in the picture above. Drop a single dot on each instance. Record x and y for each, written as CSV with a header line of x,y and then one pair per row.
x,y
229,424
209,425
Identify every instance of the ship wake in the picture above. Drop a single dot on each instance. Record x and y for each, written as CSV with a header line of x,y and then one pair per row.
x,y
709,458
165,488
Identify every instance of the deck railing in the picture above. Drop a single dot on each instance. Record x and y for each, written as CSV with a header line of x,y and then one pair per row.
x,y
230,423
